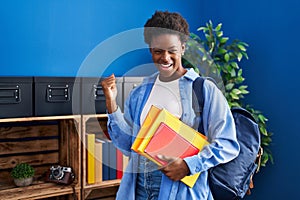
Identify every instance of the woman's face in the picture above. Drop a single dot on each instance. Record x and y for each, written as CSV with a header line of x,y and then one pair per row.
x,y
166,50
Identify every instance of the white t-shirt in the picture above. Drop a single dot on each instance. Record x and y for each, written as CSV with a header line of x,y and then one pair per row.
x,y
164,95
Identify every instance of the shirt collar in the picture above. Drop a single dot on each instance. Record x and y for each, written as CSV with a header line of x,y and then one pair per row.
x,y
190,74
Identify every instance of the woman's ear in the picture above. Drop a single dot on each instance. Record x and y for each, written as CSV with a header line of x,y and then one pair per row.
x,y
183,49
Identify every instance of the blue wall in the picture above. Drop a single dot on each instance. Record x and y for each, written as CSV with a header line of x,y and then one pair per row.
x,y
272,73
54,38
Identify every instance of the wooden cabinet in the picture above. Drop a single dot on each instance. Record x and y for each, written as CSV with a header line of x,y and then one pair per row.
x,y
95,124
46,141
41,142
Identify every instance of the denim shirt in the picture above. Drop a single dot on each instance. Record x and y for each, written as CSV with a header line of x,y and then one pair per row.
x,y
218,125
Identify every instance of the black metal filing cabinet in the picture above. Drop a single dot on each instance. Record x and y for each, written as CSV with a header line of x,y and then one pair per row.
x,y
56,96
16,97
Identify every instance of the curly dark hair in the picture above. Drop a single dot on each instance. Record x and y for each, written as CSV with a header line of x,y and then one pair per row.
x,y
166,22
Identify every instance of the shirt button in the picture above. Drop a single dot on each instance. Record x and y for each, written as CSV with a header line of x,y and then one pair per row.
x,y
197,169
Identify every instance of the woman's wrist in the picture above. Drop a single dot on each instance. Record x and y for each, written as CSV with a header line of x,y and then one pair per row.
x,y
111,106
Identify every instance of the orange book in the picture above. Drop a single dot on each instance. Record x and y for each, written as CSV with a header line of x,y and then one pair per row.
x,y
153,112
166,141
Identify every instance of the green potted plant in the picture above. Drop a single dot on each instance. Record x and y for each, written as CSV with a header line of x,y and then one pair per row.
x,y
22,174
216,56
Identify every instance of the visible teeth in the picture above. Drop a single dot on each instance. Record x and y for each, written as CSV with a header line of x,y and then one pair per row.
x,y
166,65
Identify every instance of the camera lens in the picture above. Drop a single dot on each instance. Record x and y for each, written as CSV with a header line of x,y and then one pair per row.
x,y
57,173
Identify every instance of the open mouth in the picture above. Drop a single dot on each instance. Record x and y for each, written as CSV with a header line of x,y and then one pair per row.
x,y
166,66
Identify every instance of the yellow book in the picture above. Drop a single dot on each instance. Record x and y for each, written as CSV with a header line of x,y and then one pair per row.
x,y
150,117
190,180
194,137
90,159
191,135
98,161
143,132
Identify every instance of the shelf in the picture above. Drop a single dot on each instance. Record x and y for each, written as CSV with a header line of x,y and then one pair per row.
x,y
46,141
104,184
41,142
94,116
38,191
96,188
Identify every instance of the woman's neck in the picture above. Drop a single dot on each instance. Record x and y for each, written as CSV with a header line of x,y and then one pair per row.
x,y
179,73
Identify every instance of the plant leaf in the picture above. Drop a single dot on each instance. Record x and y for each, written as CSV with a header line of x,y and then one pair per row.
x,y
223,40
229,86
219,33
234,65
219,26
226,57
232,72
202,29
240,56
241,47
222,50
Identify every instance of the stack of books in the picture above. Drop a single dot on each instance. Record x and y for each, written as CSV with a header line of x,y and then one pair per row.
x,y
164,134
104,161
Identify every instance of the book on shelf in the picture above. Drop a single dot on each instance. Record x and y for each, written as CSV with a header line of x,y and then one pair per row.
x,y
98,160
119,168
90,158
104,161
112,161
172,125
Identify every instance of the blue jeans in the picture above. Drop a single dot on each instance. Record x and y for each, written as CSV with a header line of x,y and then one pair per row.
x,y
148,180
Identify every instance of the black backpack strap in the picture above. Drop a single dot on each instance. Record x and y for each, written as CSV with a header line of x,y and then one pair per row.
x,y
198,97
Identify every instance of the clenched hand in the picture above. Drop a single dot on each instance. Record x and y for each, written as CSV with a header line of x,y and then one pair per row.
x,y
110,91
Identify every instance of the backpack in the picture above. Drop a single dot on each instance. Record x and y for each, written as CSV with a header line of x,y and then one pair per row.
x,y
232,180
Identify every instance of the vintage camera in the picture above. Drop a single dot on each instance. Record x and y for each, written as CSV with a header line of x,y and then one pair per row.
x,y
60,174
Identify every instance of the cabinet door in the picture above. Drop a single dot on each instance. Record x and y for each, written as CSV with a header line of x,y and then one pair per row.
x,y
129,84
